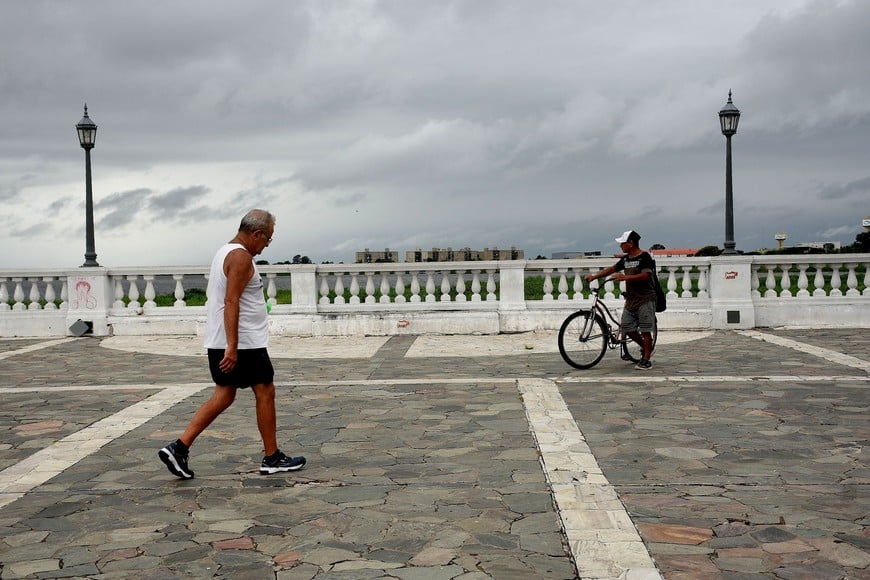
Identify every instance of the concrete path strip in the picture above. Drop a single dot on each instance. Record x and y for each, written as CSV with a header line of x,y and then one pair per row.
x,y
601,536
827,354
33,347
18,479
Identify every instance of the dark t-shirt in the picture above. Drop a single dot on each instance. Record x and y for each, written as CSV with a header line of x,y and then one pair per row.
x,y
637,291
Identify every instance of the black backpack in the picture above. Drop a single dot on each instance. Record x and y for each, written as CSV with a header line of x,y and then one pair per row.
x,y
661,299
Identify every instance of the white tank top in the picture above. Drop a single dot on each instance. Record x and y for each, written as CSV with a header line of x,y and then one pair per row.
x,y
253,324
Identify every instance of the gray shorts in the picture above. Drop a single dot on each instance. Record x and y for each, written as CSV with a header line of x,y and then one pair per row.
x,y
642,319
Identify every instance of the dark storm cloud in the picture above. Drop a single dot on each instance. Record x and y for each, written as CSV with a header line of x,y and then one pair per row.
x,y
57,206
858,188
30,231
120,209
168,205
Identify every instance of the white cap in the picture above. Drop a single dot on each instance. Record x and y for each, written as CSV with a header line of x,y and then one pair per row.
x,y
627,236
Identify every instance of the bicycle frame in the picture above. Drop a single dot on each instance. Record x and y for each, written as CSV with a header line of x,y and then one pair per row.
x,y
615,336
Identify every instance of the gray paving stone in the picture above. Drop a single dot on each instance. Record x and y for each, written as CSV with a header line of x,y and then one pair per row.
x,y
398,469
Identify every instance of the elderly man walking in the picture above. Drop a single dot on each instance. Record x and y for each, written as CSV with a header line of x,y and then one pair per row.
x,y
236,337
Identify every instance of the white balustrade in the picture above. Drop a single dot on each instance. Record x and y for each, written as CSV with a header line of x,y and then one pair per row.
x,y
779,287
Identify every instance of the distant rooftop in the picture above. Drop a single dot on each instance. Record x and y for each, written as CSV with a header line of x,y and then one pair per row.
x,y
674,252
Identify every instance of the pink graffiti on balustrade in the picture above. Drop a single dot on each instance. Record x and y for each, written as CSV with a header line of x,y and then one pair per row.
x,y
731,275
83,297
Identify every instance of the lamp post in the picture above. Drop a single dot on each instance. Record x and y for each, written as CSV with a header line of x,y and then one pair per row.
x,y
87,131
729,116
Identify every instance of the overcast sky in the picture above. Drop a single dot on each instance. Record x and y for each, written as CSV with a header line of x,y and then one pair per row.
x,y
546,125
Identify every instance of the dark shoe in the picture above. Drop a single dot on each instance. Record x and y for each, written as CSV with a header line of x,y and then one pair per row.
x,y
175,461
282,463
644,365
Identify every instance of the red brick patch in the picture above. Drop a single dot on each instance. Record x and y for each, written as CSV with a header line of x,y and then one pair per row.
x,y
288,559
244,543
674,534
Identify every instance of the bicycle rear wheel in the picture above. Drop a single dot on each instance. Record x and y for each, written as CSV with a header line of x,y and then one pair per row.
x,y
633,351
583,339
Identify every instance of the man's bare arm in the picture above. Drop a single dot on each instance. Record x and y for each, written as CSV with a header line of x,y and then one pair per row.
x,y
238,268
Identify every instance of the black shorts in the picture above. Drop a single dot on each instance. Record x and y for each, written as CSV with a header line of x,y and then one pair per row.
x,y
254,367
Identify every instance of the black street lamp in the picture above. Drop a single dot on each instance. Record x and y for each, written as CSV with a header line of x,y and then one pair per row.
x,y
729,116
87,131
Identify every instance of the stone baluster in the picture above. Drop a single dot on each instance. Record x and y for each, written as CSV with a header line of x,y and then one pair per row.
x,y
460,286
430,287
339,289
755,284
608,290
702,282
133,294
577,284
548,285
866,280
370,288
149,292
179,291
354,288
271,289
475,286
802,281
672,282
563,284
852,281
4,296
118,282
415,287
785,282
687,282
770,282
385,289
324,290
18,295
50,296
34,296
836,282
400,288
63,295
445,286
490,285
819,281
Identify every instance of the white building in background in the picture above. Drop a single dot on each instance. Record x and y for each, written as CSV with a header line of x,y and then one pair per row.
x,y
573,255
821,245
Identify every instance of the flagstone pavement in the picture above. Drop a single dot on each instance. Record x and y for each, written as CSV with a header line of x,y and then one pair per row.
x,y
738,456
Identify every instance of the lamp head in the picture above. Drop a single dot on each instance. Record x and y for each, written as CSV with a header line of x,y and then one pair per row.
x,y
729,116
87,131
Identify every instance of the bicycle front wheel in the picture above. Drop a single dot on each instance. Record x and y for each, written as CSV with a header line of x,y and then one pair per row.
x,y
632,350
583,339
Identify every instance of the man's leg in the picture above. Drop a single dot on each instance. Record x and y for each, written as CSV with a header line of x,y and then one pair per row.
x,y
266,422
647,345
220,400
646,314
175,455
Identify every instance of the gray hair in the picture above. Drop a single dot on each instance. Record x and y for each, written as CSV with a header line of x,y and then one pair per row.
x,y
257,220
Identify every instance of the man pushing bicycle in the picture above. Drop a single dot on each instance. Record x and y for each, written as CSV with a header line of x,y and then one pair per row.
x,y
637,269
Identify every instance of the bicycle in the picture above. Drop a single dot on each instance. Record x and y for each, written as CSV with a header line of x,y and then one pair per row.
x,y
586,334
